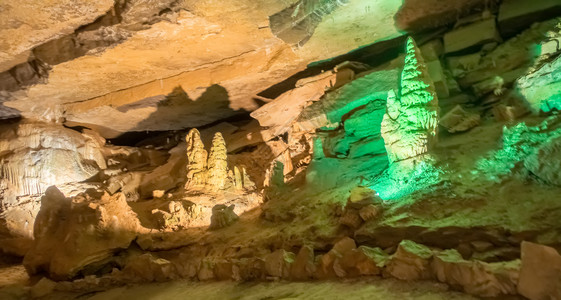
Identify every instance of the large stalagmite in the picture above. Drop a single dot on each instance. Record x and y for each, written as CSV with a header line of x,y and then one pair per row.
x,y
196,159
409,127
218,163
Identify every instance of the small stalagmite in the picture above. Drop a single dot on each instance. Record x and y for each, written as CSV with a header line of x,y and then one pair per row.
x,y
196,160
218,163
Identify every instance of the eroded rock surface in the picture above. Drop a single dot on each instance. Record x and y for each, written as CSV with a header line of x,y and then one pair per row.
x,y
74,234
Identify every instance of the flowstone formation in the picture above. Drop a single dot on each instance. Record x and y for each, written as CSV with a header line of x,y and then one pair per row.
x,y
409,127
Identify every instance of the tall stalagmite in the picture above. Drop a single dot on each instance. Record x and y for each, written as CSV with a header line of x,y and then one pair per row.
x,y
196,160
409,127
218,163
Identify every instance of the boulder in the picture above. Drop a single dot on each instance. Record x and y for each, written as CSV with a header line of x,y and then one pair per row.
x,y
303,267
540,274
278,263
476,277
410,262
325,263
72,234
362,261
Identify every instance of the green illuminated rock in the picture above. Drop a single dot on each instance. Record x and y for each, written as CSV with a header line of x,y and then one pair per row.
x,y
409,127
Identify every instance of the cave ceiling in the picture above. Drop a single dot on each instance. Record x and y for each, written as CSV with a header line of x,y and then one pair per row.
x,y
137,65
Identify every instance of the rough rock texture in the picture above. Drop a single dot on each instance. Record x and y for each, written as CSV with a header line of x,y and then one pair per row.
x,y
95,225
34,156
196,159
21,30
476,277
136,80
222,216
218,164
540,275
411,261
37,155
545,162
459,120
409,127
541,89
422,14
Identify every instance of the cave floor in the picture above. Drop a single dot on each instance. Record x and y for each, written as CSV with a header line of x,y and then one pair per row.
x,y
349,289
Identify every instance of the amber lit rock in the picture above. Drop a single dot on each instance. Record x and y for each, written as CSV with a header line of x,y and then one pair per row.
x,y
278,263
95,225
222,216
196,159
303,267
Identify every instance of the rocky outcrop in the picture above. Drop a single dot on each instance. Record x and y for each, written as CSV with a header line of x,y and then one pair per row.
x,y
79,234
409,127
34,156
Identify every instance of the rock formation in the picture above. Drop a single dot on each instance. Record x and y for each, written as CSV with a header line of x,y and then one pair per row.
x,y
409,127
196,160
78,233
222,216
218,164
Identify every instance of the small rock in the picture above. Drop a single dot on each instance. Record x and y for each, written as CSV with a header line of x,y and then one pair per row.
x,y
158,193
